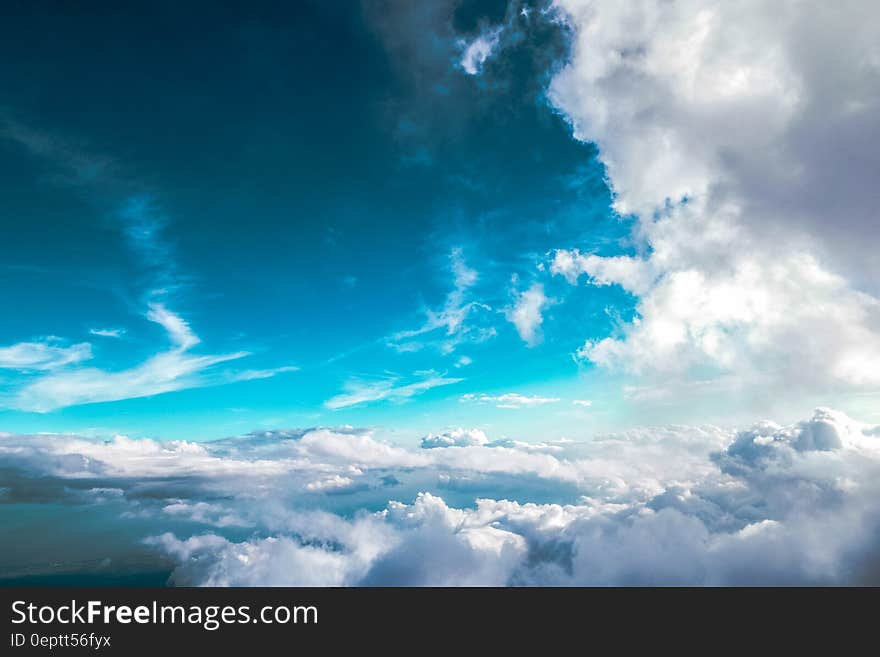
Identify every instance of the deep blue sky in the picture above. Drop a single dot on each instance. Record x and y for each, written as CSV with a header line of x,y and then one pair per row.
x,y
298,181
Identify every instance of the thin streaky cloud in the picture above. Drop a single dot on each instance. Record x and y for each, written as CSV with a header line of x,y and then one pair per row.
x,y
511,400
47,354
108,332
358,392
167,371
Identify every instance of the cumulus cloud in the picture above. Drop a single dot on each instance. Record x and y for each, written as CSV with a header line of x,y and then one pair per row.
x,y
744,142
526,313
771,504
793,321
211,560
332,483
760,517
632,274
285,461
455,438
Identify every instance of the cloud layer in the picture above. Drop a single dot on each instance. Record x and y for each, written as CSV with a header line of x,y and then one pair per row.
x,y
678,505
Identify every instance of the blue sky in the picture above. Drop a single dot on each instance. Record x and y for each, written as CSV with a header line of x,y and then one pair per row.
x,y
305,203
467,292
391,216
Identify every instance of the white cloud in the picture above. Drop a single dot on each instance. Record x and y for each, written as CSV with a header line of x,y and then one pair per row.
x,y
479,50
266,373
509,399
204,512
49,354
526,313
793,321
333,483
358,392
108,333
141,221
178,329
167,371
737,136
210,560
633,274
451,318
355,449
582,402
789,504
455,438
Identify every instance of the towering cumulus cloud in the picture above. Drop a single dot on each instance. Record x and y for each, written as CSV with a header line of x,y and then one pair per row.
x,y
743,137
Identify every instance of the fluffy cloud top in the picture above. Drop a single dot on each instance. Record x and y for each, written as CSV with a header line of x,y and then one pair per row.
x,y
455,438
679,505
526,313
744,139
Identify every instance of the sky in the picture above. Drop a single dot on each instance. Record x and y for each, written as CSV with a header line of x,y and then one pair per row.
x,y
324,217
569,274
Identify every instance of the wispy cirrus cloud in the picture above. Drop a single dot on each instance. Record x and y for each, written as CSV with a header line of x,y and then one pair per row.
x,y
55,377
173,369
76,164
143,225
509,400
102,181
450,321
107,332
139,216
363,392
47,354
265,373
